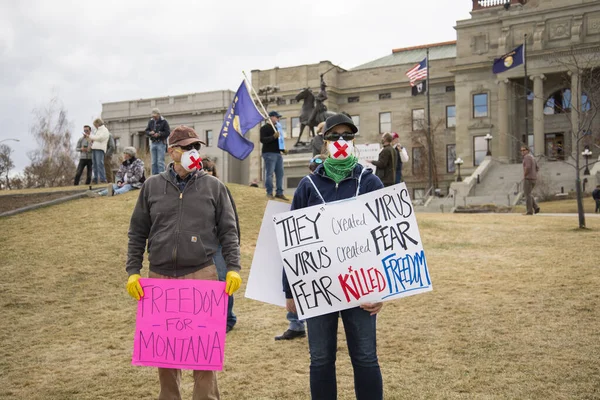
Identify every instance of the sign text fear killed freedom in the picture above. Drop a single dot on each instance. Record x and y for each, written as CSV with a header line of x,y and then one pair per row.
x,y
337,256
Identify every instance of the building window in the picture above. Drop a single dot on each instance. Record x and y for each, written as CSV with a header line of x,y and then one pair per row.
x,y
117,143
295,126
293,101
385,96
479,149
356,120
353,99
480,105
450,158
450,116
560,102
417,161
418,194
418,119
280,101
385,122
450,89
209,138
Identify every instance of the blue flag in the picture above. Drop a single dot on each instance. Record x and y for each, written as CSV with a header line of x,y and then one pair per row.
x,y
509,60
241,116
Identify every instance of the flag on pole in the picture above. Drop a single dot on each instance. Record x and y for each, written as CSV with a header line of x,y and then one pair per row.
x,y
418,72
241,116
509,60
419,88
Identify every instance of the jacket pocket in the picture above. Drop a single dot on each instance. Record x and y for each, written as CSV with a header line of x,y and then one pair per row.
x,y
160,249
190,249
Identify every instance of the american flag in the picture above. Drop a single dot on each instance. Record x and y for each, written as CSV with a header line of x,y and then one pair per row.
x,y
418,72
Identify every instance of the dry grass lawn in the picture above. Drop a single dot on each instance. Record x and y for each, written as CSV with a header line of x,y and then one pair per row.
x,y
562,206
514,313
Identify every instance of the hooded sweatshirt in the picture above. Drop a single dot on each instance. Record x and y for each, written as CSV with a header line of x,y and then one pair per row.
x,y
182,229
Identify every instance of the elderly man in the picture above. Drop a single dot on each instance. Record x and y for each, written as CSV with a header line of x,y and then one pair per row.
x,y
182,215
158,131
130,175
99,145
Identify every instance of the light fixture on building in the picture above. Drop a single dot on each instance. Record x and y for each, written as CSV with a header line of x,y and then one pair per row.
x,y
586,154
488,138
458,162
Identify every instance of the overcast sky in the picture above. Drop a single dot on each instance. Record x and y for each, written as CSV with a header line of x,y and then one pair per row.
x,y
90,52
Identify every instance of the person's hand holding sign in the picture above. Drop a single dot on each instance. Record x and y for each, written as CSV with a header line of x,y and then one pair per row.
x,y
134,288
233,281
373,308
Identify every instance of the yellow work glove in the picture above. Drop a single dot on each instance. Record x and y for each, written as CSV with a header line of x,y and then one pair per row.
x,y
134,288
233,281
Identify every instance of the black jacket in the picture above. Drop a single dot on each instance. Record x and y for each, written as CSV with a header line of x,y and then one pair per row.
x,y
386,165
269,141
161,127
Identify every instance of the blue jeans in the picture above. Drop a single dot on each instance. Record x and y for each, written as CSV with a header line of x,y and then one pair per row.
x,y
98,166
222,272
399,175
157,151
361,336
117,190
295,323
273,163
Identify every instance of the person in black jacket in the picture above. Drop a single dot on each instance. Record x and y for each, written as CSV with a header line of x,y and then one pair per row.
x,y
596,197
386,164
271,153
158,131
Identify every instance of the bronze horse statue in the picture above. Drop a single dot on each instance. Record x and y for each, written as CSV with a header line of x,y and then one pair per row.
x,y
312,115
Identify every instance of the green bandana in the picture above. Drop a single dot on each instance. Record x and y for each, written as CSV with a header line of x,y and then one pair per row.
x,y
339,169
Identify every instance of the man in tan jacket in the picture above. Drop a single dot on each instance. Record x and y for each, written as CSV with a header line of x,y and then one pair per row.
x,y
530,170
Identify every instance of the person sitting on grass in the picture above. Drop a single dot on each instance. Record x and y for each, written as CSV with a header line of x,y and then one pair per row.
x,y
130,175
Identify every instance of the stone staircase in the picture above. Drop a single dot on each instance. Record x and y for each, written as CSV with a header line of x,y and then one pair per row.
x,y
501,184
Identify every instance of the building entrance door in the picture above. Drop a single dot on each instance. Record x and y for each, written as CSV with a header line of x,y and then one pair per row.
x,y
555,146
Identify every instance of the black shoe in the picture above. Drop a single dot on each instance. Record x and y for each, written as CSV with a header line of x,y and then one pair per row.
x,y
537,210
228,329
270,197
281,197
290,335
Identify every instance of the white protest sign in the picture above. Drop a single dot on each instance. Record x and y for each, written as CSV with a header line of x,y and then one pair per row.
x,y
339,255
264,281
367,152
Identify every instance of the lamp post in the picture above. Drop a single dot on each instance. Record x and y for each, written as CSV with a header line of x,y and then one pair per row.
x,y
458,162
488,138
586,154
5,140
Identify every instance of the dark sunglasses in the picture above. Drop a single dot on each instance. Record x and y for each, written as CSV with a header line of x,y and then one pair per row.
x,y
191,146
347,136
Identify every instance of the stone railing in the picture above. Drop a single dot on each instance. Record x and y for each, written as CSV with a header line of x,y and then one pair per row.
x,y
483,4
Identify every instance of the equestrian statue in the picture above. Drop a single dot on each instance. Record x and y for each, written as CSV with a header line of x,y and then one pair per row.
x,y
312,115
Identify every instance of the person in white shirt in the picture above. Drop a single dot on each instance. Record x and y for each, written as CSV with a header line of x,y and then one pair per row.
x,y
99,144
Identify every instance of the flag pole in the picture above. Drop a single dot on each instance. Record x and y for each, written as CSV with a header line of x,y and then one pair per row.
x,y
526,94
430,142
259,102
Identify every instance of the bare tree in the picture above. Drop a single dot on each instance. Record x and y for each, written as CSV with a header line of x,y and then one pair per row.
x,y
583,73
52,163
6,164
419,137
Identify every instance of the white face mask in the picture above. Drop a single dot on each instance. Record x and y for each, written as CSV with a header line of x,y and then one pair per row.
x,y
341,149
190,160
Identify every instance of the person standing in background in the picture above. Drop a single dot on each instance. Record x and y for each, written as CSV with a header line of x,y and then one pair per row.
x,y
85,156
158,131
110,150
99,144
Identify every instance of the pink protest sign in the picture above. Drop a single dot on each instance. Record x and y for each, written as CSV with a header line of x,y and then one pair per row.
x,y
181,324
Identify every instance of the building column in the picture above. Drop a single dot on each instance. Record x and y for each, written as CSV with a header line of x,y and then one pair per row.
x,y
538,115
502,134
575,109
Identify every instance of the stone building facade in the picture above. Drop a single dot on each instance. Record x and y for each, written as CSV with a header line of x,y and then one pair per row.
x,y
468,101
